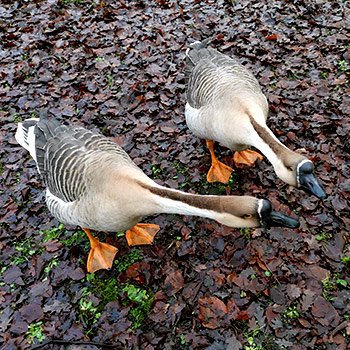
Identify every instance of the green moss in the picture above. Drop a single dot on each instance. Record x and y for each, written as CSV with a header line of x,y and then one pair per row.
x,y
323,237
291,313
16,118
267,273
324,75
75,2
35,331
110,80
252,342
182,340
52,233
156,171
331,284
246,232
61,234
75,239
123,263
345,259
25,250
257,339
51,264
203,186
343,65
218,188
142,301
107,290
293,75
89,313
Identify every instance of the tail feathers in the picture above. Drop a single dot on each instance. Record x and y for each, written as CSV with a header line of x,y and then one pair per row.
x,y
25,135
49,127
46,129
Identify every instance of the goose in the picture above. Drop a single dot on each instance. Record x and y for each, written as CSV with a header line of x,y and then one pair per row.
x,y
225,104
91,182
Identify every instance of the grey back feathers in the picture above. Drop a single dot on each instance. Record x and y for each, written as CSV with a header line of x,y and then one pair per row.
x,y
65,154
210,68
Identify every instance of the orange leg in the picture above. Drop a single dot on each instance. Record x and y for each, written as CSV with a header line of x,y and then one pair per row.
x,y
218,171
101,255
141,234
246,157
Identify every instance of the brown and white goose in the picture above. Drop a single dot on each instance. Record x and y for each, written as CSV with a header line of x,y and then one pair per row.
x,y
92,183
225,104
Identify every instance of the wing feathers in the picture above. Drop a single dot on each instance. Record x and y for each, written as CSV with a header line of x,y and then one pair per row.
x,y
213,74
67,155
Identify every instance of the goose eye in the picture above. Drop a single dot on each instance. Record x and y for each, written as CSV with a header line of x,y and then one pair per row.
x,y
247,216
290,168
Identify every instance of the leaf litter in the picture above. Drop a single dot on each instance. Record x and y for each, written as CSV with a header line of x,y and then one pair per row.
x,y
119,68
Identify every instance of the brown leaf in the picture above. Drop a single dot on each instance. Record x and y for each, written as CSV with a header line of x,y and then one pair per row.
x,y
317,272
159,312
52,246
211,312
272,37
293,291
308,299
277,296
324,312
13,275
174,282
139,271
270,314
232,310
31,312
76,274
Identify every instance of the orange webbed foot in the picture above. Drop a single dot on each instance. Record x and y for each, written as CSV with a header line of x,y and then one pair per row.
x,y
141,234
219,172
247,157
101,254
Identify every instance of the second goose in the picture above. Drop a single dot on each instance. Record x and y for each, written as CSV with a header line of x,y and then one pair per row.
x,y
225,104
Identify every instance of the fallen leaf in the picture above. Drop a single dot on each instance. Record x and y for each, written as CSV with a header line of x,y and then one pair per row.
x,y
31,312
211,312
174,282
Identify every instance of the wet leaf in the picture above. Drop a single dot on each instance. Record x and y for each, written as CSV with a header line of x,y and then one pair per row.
x,y
211,312
174,282
31,312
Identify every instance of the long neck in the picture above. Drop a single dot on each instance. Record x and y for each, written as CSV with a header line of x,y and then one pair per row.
x,y
171,201
269,145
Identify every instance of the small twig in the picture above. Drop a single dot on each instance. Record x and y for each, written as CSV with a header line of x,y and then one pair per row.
x,y
340,327
68,342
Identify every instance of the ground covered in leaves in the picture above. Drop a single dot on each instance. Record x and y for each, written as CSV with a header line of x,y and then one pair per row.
x,y
119,67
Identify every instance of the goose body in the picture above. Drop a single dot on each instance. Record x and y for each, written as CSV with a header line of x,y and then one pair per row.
x,y
91,182
225,104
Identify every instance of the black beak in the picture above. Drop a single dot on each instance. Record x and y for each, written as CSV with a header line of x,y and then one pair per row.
x,y
309,184
276,219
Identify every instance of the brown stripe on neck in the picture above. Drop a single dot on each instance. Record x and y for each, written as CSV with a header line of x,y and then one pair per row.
x,y
194,200
276,147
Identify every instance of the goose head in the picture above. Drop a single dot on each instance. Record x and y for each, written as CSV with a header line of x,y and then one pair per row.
x,y
252,212
298,171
